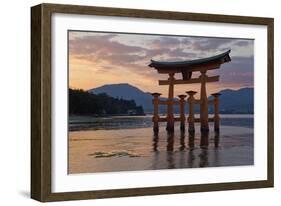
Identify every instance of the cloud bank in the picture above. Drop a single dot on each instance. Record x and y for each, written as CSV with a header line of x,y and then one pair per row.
x,y
121,57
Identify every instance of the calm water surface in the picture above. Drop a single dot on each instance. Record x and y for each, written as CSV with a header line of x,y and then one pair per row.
x,y
128,143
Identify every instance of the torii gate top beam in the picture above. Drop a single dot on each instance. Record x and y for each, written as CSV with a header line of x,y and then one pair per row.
x,y
187,67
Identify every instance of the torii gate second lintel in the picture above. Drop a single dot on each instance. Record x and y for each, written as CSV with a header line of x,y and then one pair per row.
x,y
187,68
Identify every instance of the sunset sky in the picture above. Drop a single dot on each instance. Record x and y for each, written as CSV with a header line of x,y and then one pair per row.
x,y
96,59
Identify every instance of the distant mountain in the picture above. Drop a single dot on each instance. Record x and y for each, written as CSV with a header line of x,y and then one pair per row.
x,y
237,101
231,101
128,92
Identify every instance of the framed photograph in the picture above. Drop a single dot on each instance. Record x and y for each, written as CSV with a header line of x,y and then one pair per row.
x,y
132,102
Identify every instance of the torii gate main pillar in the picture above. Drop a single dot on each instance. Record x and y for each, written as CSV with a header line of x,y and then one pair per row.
x,y
170,109
204,117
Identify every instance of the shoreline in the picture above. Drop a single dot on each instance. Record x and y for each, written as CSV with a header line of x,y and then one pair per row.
x,y
85,123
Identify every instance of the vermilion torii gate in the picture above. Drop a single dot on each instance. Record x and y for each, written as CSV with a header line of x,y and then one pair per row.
x,y
186,68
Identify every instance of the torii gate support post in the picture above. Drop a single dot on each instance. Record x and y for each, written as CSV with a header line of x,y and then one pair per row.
x,y
204,140
182,113
170,110
217,139
204,103
191,103
155,117
216,112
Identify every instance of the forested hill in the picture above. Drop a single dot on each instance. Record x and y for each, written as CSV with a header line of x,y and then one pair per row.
x,y
84,103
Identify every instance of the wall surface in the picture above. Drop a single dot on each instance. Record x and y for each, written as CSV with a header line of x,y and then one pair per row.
x,y
15,102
